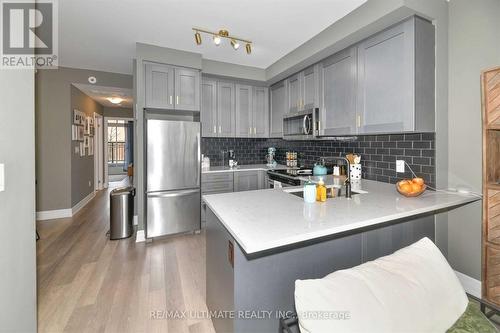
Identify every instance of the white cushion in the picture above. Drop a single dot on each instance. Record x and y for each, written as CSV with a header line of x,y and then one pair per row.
x,y
412,290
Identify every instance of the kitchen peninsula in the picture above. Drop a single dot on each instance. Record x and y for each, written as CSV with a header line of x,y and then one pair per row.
x,y
260,242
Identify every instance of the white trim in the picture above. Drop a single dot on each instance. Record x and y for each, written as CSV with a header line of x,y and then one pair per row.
x,y
98,152
471,285
53,214
76,208
136,220
140,236
64,213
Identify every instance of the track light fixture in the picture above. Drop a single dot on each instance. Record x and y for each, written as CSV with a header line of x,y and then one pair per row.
x,y
197,38
218,36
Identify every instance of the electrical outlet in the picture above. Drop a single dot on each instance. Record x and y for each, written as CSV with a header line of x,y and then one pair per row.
x,y
2,177
400,166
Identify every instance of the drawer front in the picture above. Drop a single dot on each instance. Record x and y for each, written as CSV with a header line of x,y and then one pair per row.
x,y
492,288
217,177
493,217
217,187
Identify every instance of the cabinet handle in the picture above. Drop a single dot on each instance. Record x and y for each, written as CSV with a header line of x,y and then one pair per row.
x,y
177,100
319,126
220,129
255,130
215,129
358,121
170,100
249,130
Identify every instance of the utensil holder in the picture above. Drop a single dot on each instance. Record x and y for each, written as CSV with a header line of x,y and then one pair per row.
x,y
355,171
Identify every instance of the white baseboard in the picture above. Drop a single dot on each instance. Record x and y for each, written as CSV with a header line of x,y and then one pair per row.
x,y
471,285
76,208
140,236
136,220
53,214
63,213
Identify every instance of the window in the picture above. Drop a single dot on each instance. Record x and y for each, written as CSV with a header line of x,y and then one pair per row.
x,y
116,141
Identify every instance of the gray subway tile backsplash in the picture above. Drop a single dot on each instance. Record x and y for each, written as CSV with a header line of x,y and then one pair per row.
x,y
378,153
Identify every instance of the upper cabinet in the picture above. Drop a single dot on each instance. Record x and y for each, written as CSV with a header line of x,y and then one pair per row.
x,y
337,114
226,109
244,110
169,87
302,90
260,112
395,71
279,106
208,114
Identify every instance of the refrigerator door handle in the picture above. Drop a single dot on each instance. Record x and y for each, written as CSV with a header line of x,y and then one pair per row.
x,y
198,137
172,194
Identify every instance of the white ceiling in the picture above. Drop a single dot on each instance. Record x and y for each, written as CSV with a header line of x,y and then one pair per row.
x,y
101,94
101,34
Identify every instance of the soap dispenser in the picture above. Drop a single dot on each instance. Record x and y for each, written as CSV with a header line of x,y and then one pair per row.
x,y
321,191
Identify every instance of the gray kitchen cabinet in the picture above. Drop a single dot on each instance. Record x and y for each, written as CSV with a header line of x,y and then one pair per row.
x,y
209,108
226,109
171,88
309,88
279,106
396,79
214,183
159,85
244,111
260,112
337,114
247,180
294,93
187,89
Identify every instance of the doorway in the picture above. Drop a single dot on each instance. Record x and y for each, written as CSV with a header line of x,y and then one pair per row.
x,y
118,155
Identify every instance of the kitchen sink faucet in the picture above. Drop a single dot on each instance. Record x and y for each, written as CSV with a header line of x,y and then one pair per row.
x,y
347,182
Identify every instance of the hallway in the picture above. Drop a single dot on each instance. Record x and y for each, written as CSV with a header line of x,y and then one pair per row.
x,y
88,283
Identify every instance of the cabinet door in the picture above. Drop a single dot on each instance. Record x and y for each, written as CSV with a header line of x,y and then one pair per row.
x,y
386,81
244,101
225,109
260,112
278,108
159,83
187,89
310,88
246,181
338,94
208,108
294,95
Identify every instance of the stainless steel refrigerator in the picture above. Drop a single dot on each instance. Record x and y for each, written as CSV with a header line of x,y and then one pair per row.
x,y
172,177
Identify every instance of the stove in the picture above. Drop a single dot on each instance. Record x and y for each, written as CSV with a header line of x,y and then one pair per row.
x,y
287,177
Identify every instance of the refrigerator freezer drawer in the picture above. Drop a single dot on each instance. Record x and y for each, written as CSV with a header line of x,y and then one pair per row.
x,y
172,212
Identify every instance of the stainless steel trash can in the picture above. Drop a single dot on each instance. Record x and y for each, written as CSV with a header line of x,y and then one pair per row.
x,y
121,212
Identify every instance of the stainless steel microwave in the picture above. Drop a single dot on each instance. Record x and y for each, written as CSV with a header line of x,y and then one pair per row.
x,y
299,125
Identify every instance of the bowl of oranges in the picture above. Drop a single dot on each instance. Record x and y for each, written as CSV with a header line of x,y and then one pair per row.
x,y
411,187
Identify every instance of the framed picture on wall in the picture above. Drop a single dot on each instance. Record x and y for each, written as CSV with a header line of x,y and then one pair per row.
x,y
91,146
86,141
74,132
82,149
80,134
78,117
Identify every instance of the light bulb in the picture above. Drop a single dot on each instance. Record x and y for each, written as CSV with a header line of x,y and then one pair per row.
x,y
217,40
235,44
115,100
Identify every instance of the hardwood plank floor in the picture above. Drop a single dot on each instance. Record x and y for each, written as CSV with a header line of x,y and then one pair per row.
x,y
87,283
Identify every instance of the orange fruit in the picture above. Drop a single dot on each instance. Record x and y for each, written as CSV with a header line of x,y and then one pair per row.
x,y
418,181
406,188
416,187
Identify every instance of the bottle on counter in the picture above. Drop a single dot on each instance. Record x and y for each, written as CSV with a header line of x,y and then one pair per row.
x,y
321,191
309,191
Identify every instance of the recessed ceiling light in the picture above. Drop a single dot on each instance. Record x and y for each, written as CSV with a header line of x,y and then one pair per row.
x,y
115,100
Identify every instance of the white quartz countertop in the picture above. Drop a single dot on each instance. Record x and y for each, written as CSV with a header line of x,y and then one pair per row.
x,y
267,219
250,167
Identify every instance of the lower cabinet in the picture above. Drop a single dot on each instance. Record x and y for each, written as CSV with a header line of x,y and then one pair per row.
x,y
231,181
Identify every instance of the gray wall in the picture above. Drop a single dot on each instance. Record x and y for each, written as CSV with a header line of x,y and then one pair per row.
x,y
17,202
118,112
53,130
473,46
82,168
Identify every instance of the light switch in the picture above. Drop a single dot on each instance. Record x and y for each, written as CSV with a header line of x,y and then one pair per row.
x,y
2,177
400,166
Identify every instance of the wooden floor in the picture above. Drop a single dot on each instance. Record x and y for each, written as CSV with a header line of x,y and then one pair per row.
x,y
87,283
